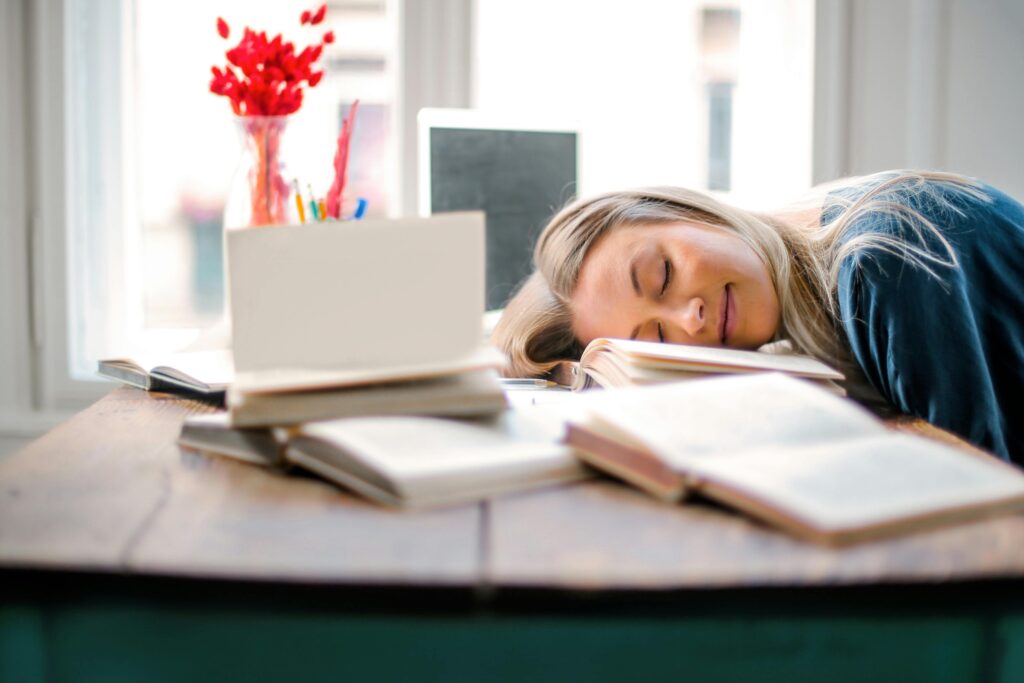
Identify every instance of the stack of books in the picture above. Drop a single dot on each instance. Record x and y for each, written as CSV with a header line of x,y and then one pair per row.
x,y
355,348
369,317
406,461
341,319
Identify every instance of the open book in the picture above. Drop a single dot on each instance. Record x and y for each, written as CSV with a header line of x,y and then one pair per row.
x,y
356,318
791,454
406,461
202,373
626,362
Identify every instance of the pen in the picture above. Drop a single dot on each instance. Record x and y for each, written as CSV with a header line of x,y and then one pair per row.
x,y
312,204
322,209
298,200
527,382
360,208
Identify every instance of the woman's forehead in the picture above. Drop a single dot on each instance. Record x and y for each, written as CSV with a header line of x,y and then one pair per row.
x,y
626,240
604,284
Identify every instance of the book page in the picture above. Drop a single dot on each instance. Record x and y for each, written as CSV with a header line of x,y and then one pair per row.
x,y
213,368
708,358
437,458
865,481
357,295
687,422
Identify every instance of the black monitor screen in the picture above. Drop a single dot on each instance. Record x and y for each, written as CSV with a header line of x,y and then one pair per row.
x,y
518,178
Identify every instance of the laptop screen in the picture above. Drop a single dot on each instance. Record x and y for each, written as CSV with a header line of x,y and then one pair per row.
x,y
518,177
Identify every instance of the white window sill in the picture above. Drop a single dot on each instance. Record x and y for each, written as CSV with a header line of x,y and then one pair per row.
x,y
31,424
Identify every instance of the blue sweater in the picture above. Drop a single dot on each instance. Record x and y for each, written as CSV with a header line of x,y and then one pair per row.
x,y
949,349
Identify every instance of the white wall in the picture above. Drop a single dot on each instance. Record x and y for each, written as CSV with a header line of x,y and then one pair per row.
x,y
930,83
625,74
631,78
983,133
16,387
773,115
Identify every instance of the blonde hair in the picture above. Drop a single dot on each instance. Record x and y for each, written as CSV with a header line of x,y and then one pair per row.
x,y
801,249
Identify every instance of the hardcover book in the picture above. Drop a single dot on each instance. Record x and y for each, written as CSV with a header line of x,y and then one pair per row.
x,y
406,461
791,454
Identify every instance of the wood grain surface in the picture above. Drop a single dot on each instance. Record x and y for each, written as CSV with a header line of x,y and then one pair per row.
x,y
110,490
603,535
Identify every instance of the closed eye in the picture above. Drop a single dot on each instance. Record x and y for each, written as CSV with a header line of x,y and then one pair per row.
x,y
667,277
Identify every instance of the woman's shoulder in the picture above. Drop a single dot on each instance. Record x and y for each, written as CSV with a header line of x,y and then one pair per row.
x,y
926,332
891,218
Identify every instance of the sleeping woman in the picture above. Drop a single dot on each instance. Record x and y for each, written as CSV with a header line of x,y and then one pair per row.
x,y
911,283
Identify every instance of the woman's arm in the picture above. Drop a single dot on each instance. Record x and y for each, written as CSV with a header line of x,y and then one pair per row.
x,y
923,345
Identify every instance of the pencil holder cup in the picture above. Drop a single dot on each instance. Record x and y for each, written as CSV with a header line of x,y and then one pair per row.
x,y
259,193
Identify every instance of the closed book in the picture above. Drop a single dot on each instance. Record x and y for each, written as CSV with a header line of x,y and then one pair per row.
x,y
213,433
475,392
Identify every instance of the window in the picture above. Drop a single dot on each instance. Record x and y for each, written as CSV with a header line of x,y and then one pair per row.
x,y
719,52
131,251
719,135
709,94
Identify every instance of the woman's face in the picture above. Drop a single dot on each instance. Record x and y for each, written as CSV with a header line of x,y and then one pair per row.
x,y
681,283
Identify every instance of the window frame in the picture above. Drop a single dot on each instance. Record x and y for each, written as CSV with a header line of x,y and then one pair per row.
x,y
17,334
57,389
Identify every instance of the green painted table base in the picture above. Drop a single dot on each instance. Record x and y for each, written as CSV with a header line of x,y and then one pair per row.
x,y
114,629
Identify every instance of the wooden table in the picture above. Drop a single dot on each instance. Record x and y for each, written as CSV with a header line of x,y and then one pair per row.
x,y
126,557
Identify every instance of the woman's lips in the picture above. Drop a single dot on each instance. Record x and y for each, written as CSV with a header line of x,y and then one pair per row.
x,y
727,316
731,319
723,315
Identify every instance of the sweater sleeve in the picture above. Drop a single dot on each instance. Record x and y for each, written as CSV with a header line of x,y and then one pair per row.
x,y
915,334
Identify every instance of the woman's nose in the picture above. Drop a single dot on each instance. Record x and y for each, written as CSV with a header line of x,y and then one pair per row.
x,y
693,317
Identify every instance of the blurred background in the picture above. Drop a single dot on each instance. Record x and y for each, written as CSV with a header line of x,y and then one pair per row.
x,y
118,159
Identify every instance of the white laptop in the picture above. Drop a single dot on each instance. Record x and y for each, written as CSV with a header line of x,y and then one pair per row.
x,y
517,171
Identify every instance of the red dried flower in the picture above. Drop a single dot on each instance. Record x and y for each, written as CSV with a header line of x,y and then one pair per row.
x,y
265,77
341,163
304,19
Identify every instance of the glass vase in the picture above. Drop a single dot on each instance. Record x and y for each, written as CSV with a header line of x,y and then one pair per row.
x,y
260,195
